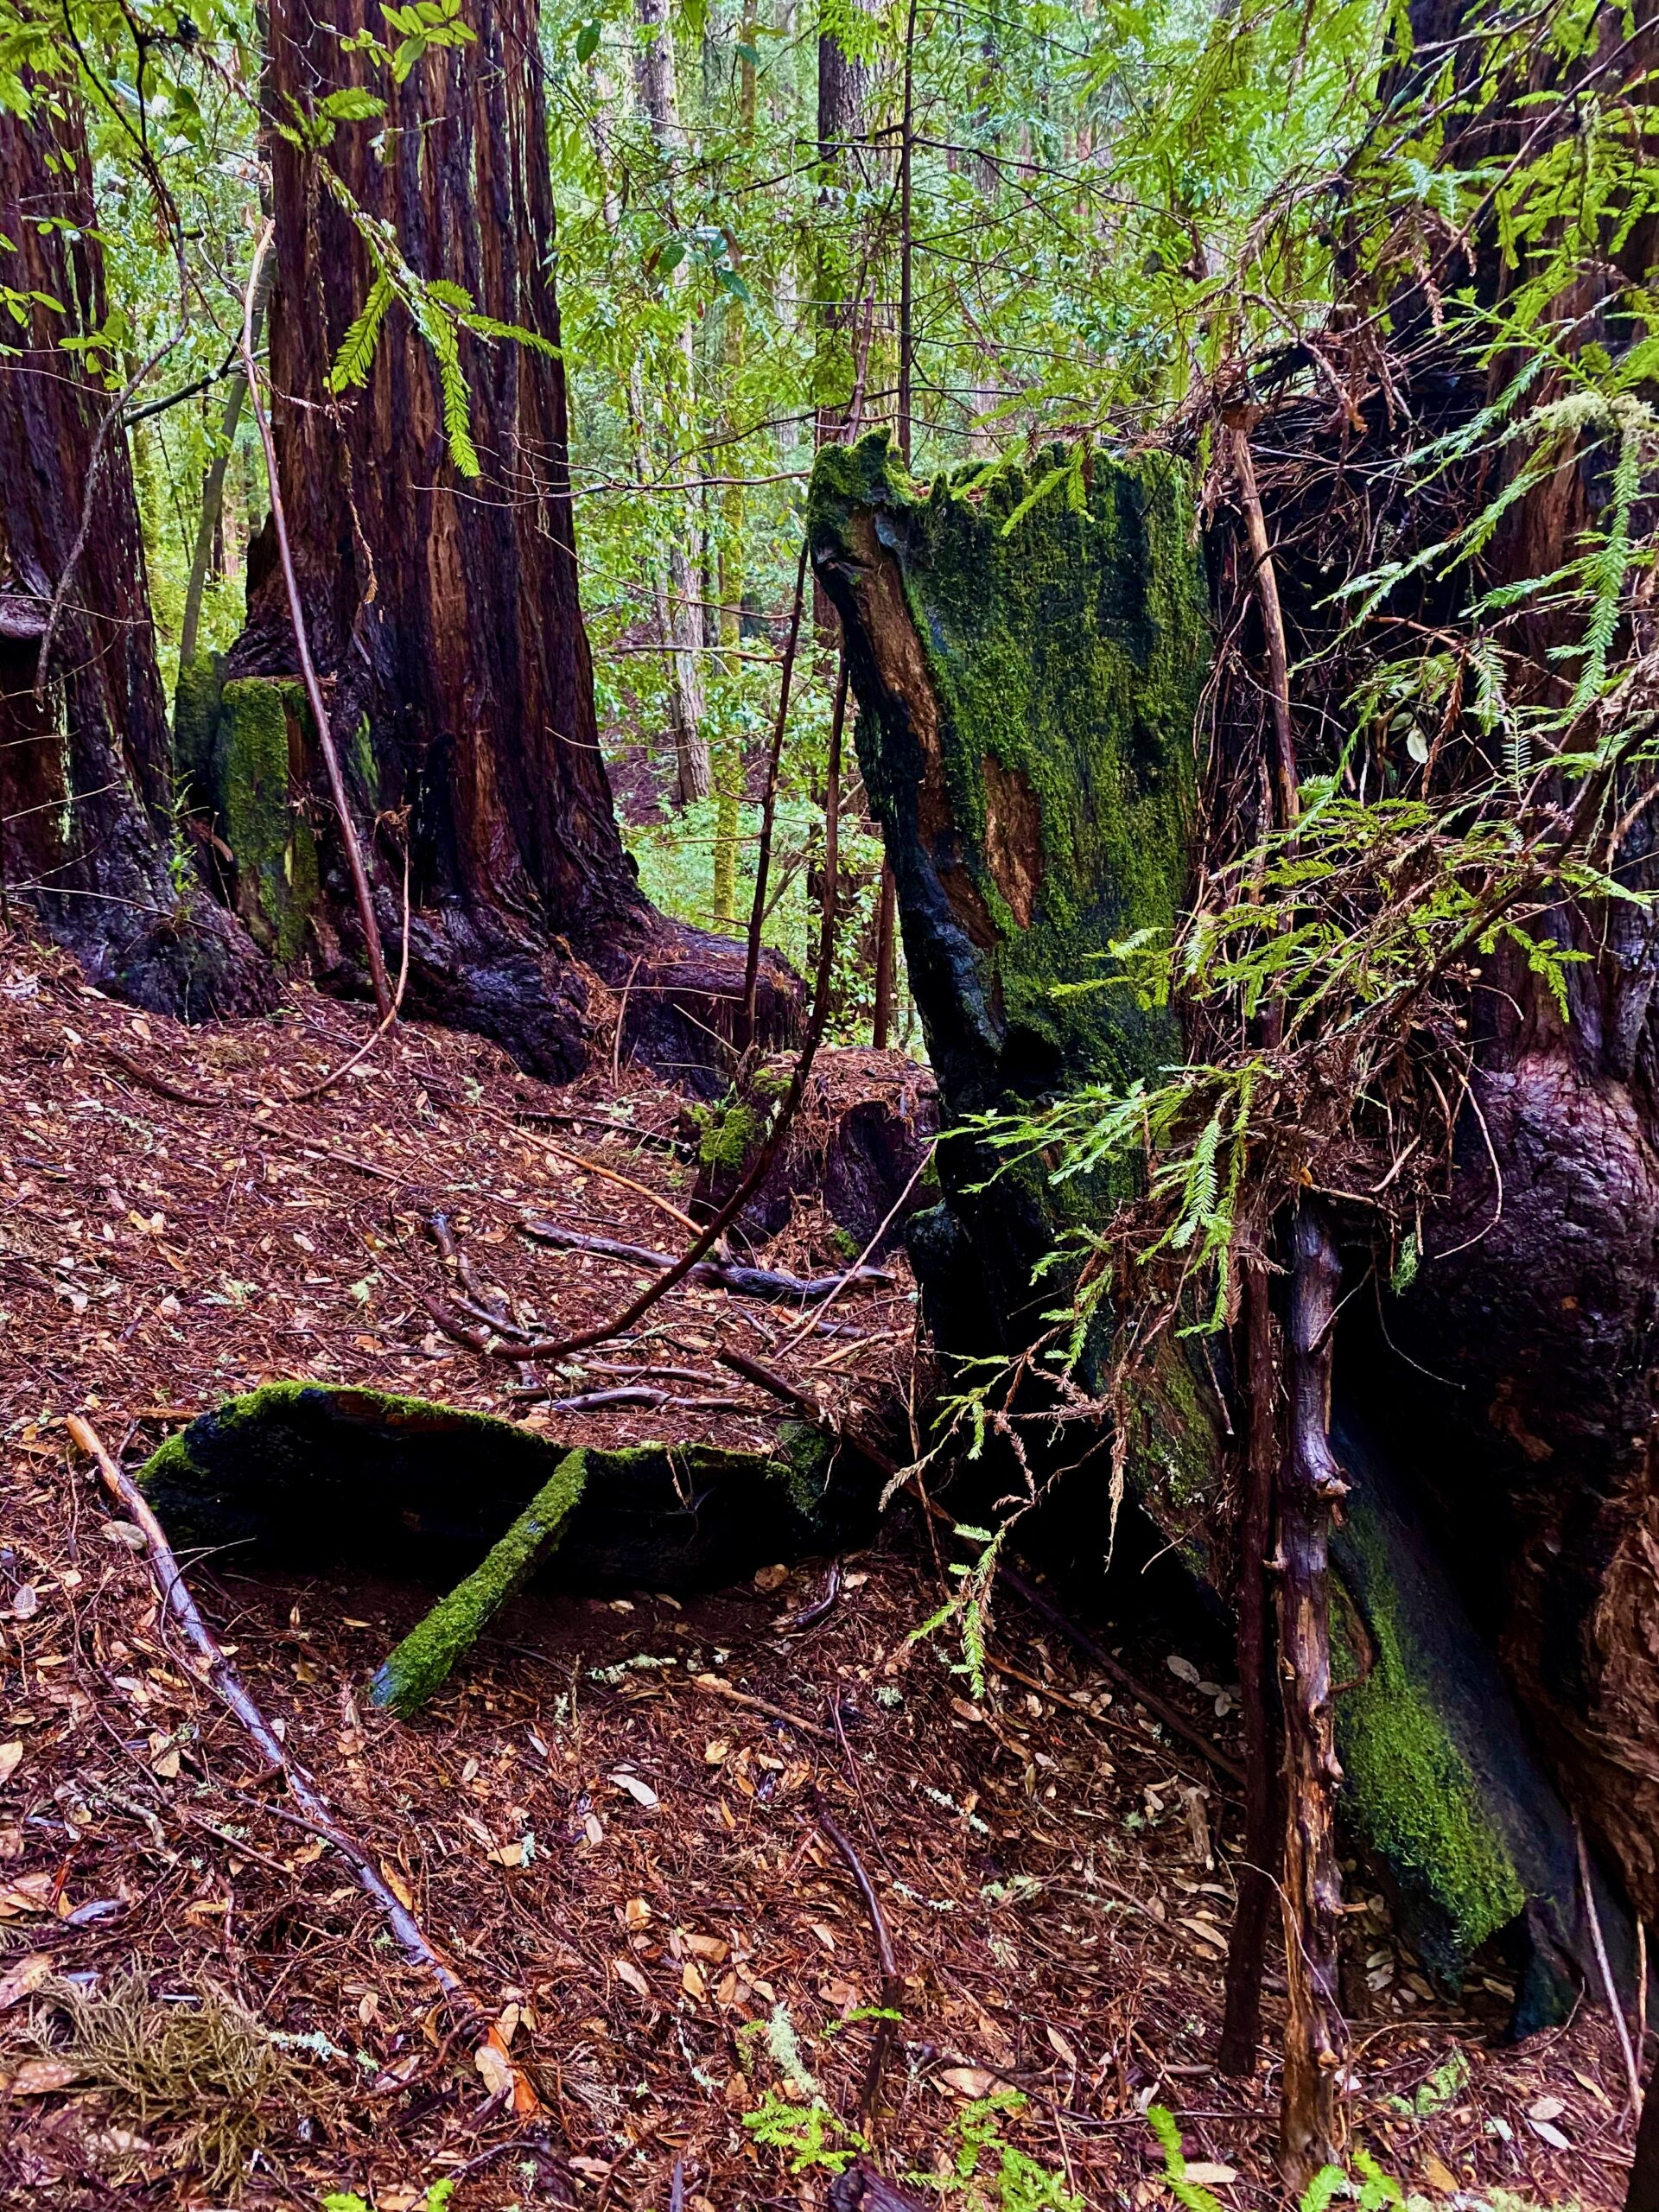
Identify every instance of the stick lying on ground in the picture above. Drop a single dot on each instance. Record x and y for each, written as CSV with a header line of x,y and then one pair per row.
x,y
421,1662
228,1686
893,1987
746,1282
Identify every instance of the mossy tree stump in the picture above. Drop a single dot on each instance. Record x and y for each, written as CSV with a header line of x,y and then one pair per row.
x,y
1028,678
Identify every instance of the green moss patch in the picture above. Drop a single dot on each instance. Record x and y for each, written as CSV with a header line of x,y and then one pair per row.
x,y
244,767
195,725
1042,810
1440,1781
1028,671
422,1662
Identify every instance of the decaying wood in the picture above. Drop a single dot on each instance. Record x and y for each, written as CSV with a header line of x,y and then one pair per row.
x,y
1258,1870
1311,1485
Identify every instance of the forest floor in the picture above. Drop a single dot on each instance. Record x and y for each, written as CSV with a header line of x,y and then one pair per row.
x,y
623,1862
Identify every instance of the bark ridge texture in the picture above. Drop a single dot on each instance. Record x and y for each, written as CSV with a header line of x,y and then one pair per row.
x,y
87,838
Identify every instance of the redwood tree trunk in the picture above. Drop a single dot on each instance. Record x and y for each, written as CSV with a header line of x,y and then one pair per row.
x,y
86,837
1535,1297
443,613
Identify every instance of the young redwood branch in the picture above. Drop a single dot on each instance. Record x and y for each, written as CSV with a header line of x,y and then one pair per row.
x,y
1310,1485
302,644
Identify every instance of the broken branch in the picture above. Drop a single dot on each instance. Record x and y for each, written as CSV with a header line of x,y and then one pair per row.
x,y
228,1686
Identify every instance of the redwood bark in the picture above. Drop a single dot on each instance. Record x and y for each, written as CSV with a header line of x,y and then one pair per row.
x,y
443,613
1258,1872
1535,1297
87,835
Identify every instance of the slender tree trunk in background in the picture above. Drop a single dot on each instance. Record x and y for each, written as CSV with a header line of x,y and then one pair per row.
x,y
210,531
1309,1487
87,838
886,958
728,767
656,82
1258,1874
843,85
906,322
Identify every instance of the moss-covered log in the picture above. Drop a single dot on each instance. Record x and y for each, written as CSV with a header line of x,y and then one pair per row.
x,y
422,1662
305,1474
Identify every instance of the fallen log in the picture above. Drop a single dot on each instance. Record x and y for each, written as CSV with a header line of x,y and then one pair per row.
x,y
423,1661
307,1474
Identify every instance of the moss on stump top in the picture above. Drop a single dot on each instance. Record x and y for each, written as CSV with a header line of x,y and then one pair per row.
x,y
1028,662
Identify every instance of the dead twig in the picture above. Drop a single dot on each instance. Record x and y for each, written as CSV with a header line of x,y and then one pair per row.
x,y
598,1167
1632,2074
712,1685
727,1274
227,1685
859,1270
893,1988
158,1084
769,804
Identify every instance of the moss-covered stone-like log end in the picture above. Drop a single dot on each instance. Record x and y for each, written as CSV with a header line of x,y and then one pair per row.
x,y
1441,1779
314,1475
423,1661
1029,652
242,754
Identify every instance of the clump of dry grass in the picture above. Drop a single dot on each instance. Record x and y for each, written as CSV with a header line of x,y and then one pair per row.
x,y
202,2072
